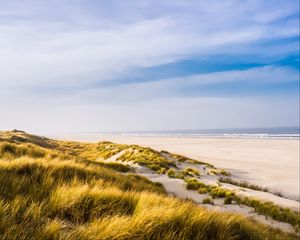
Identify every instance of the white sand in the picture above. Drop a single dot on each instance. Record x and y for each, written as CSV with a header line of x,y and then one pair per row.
x,y
272,163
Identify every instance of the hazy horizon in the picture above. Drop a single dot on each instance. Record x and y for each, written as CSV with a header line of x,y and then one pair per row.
x,y
285,131
98,66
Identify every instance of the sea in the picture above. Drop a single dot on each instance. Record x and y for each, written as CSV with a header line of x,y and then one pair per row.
x,y
274,132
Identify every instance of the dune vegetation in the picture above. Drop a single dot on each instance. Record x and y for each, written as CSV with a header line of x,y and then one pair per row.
x,y
60,190
265,208
243,184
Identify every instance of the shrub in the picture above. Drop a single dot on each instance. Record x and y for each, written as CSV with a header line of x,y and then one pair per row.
x,y
193,184
202,190
208,201
221,193
228,199
191,171
154,167
171,172
162,171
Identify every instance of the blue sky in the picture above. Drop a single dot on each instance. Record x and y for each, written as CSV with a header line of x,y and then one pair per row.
x,y
76,66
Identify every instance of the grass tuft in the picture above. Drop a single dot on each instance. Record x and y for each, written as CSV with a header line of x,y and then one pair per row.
x,y
208,201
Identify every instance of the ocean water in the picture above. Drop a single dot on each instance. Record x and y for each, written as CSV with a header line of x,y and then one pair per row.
x,y
278,132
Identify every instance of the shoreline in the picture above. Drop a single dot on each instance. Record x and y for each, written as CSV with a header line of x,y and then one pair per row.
x,y
94,137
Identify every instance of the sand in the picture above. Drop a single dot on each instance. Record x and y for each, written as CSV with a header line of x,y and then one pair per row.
x,y
177,187
272,163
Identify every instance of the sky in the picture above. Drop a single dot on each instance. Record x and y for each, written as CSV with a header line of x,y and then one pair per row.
x,y
125,65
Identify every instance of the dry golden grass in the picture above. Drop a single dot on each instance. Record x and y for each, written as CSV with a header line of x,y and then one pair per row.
x,y
48,191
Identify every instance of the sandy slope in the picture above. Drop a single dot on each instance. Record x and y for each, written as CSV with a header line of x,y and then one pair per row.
x,y
177,187
273,163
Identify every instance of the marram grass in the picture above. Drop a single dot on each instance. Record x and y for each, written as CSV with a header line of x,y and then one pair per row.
x,y
50,192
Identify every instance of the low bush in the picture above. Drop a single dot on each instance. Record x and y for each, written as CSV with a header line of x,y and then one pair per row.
x,y
191,171
171,172
208,201
221,193
154,167
162,171
228,199
194,184
202,190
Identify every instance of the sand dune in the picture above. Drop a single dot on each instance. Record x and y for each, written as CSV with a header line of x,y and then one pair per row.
x,y
272,163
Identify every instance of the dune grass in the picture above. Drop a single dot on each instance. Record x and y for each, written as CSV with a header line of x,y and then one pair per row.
x,y
208,200
185,159
146,157
49,197
55,200
191,171
243,184
182,174
218,172
265,208
270,209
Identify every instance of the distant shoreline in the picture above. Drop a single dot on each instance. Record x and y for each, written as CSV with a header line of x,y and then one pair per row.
x,y
230,133
200,136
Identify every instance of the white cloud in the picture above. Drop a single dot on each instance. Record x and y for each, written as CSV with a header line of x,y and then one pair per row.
x,y
70,46
36,50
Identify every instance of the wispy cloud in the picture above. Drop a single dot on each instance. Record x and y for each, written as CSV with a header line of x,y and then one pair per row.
x,y
43,52
182,86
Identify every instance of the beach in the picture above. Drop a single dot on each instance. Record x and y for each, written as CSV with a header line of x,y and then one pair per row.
x,y
272,163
